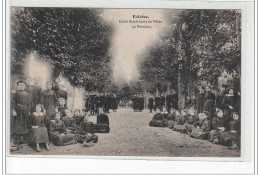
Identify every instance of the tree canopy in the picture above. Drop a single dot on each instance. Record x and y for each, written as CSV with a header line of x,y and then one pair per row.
x,y
74,41
199,43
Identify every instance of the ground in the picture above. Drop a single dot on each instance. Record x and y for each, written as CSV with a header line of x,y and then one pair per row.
x,y
131,135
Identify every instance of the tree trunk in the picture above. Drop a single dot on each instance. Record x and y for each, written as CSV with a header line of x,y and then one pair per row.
x,y
181,91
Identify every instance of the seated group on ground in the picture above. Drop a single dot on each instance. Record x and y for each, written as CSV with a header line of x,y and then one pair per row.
x,y
61,127
219,130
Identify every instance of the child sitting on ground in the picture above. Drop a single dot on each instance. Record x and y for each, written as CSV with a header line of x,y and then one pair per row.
x,y
158,119
58,133
202,128
180,122
78,117
191,119
232,137
68,120
171,118
218,125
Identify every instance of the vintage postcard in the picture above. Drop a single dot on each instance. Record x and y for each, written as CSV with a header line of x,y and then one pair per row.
x,y
125,82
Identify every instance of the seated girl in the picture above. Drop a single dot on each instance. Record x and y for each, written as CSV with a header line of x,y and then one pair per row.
x,y
171,118
102,122
202,128
191,119
38,132
78,117
232,137
61,107
59,134
158,120
68,120
180,122
165,112
218,125
86,131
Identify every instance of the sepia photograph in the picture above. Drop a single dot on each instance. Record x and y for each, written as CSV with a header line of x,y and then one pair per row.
x,y
125,82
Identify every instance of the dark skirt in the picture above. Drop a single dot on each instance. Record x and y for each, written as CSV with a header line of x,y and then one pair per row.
x,y
170,124
179,127
210,107
158,123
214,134
197,133
62,140
227,137
38,135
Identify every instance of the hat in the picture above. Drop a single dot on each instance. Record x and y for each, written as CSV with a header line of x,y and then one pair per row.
x,y
51,83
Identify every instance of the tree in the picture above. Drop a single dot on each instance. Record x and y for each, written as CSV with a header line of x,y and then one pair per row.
x,y
74,41
199,46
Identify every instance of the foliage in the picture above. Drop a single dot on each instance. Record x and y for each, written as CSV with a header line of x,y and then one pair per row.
x,y
200,44
74,41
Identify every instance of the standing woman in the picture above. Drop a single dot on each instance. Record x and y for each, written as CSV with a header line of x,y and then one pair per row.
x,y
209,104
200,100
229,103
38,132
49,99
21,106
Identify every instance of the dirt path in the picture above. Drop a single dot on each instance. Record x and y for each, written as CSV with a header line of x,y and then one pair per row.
x,y
130,135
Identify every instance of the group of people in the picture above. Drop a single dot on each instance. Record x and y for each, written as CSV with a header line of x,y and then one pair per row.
x,y
170,100
40,116
105,100
138,103
216,118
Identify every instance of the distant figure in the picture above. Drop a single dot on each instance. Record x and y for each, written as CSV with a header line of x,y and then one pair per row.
x,y
62,93
150,104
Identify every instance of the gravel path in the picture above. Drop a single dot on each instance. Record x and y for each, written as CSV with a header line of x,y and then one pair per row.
x,y
131,135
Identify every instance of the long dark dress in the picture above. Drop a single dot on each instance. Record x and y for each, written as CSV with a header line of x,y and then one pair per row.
x,y
169,101
31,92
227,137
57,128
38,92
209,104
216,123
38,135
219,100
228,101
140,103
49,100
150,104
135,103
21,105
114,103
158,102
200,102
